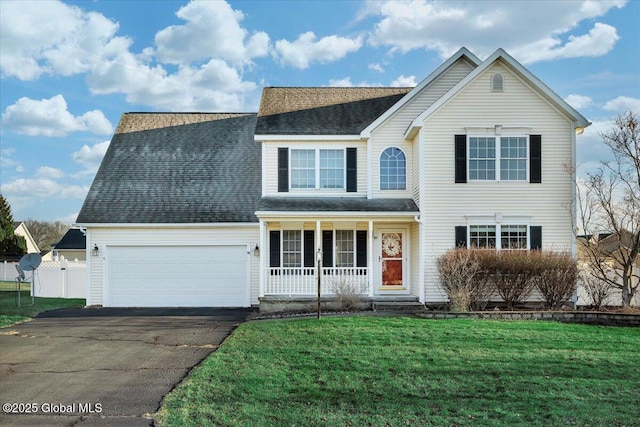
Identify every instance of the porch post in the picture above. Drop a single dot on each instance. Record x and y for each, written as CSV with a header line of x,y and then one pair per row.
x,y
318,248
370,258
262,258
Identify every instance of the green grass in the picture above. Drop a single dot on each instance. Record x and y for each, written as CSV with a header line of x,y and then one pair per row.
x,y
398,371
10,313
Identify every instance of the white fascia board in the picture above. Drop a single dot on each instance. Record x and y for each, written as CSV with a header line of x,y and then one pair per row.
x,y
332,214
366,133
263,138
519,69
168,225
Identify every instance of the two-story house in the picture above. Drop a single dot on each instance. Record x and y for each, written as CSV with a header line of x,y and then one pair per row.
x,y
366,186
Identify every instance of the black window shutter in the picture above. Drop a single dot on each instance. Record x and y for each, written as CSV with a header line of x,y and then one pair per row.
x,y
536,237
461,236
327,248
361,248
274,248
461,158
535,159
352,170
283,170
309,248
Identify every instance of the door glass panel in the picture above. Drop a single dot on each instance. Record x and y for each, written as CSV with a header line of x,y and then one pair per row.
x,y
392,259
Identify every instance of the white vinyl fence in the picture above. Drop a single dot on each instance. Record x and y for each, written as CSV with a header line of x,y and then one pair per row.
x,y
53,279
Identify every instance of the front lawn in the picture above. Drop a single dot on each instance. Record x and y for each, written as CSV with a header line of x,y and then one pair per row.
x,y
10,313
392,371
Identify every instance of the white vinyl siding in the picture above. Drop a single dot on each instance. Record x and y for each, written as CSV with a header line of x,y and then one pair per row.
x,y
104,237
270,169
448,205
391,132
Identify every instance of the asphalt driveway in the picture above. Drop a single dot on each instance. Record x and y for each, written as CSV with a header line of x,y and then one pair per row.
x,y
103,366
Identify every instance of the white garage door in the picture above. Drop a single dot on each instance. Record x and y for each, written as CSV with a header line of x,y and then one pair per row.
x,y
177,276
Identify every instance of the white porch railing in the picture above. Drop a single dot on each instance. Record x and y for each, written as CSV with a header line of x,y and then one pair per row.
x,y
304,281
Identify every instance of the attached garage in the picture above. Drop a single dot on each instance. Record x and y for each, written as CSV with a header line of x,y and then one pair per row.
x,y
177,276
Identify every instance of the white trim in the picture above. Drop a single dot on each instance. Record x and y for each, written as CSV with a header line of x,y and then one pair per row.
x,y
406,170
578,119
263,172
268,138
317,169
498,220
262,259
492,130
168,225
462,52
89,259
369,171
498,158
334,214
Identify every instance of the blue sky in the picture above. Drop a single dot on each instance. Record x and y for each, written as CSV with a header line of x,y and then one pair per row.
x,y
68,70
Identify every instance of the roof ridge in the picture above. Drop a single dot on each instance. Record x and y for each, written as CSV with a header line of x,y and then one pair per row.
x,y
135,122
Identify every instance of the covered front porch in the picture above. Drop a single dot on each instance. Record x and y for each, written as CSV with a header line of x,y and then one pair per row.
x,y
366,255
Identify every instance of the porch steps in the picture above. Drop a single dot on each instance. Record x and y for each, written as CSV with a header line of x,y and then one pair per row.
x,y
403,306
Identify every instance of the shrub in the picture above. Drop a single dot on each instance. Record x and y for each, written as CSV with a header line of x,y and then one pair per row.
x,y
512,273
461,277
556,277
599,291
348,293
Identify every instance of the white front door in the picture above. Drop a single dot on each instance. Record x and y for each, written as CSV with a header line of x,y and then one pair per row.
x,y
392,258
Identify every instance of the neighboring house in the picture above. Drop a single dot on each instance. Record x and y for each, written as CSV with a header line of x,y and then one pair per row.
x,y
20,229
375,183
610,248
72,246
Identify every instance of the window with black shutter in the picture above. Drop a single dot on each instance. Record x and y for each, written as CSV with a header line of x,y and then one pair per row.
x,y
460,159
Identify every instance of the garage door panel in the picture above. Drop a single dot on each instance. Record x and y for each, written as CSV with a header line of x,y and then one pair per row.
x,y
172,276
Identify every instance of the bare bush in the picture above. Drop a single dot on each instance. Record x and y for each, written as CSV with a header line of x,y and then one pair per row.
x,y
462,278
555,277
599,291
513,275
347,292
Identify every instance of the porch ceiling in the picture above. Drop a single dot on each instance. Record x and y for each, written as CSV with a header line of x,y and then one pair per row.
x,y
337,204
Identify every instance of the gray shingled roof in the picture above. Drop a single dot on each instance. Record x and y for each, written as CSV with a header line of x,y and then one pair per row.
x,y
74,238
348,118
336,204
204,172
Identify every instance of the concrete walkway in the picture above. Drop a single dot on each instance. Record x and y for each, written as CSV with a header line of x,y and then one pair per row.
x,y
87,367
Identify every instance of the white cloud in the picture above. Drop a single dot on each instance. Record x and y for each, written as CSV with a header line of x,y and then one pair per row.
x,y
42,188
50,117
404,81
307,49
579,101
212,30
214,86
531,32
66,40
47,172
69,219
376,67
52,37
7,161
90,157
622,104
600,40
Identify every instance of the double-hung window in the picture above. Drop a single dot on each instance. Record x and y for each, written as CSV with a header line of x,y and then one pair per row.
x,y
345,248
291,248
499,236
317,169
502,158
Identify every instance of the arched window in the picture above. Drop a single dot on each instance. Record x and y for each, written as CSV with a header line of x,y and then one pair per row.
x,y
393,169
497,83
